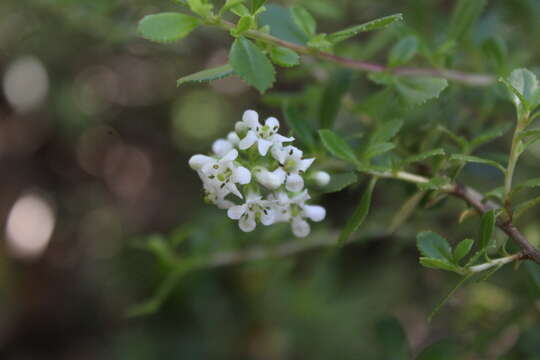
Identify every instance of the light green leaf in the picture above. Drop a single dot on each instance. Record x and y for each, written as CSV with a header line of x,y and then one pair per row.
x,y
231,4
216,73
435,183
440,264
251,64
465,14
256,4
320,42
167,27
462,249
359,214
432,245
284,57
339,182
335,89
240,10
378,149
303,19
337,146
387,131
490,135
201,8
244,24
424,155
487,226
369,26
418,90
403,51
524,88
299,125
476,159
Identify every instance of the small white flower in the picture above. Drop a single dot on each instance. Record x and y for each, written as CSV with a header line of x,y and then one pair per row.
x,y
321,178
264,136
293,167
295,210
254,210
220,147
222,175
269,179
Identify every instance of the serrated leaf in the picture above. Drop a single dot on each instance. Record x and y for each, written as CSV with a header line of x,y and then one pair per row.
x,y
337,146
339,182
251,64
476,159
216,73
462,249
303,19
432,245
418,90
201,8
369,26
440,264
490,135
424,155
337,86
524,88
403,51
465,14
281,24
167,27
359,214
301,128
284,57
319,42
487,226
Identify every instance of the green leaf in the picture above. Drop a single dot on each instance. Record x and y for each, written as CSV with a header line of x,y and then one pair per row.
x,y
424,155
303,19
387,131
443,264
339,182
281,24
524,88
531,183
435,183
167,27
391,339
201,8
523,207
216,73
462,249
418,90
403,51
476,159
284,57
320,42
299,125
490,135
337,146
465,14
244,24
335,89
231,4
240,10
251,64
369,26
378,149
359,214
487,226
256,4
432,245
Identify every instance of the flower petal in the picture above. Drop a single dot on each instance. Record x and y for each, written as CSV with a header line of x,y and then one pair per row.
x,y
221,147
278,152
241,175
233,138
232,188
248,141
247,223
196,162
267,218
264,145
272,123
300,227
236,212
304,164
230,156
280,138
315,212
294,183
251,118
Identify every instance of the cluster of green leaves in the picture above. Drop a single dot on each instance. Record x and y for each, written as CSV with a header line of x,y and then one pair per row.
x,y
254,51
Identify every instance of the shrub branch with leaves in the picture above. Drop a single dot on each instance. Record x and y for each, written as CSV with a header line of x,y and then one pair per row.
x,y
257,49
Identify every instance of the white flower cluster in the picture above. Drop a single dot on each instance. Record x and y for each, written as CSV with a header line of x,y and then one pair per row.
x,y
257,165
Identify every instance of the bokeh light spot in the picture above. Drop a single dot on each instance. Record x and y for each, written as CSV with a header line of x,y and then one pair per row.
x,y
26,83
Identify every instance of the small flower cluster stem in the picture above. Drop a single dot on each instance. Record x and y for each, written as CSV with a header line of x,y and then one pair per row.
x,y
259,177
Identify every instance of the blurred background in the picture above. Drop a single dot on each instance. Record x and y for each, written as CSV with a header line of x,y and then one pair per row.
x,y
96,195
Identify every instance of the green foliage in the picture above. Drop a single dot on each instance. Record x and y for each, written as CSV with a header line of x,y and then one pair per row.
x,y
359,214
524,88
391,339
434,246
340,181
298,123
303,19
251,64
418,90
333,93
462,249
216,73
167,27
486,228
465,14
478,160
376,24
282,25
337,146
284,57
403,51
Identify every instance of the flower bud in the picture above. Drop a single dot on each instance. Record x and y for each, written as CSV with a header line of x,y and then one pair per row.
x,y
221,146
321,178
196,162
270,180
